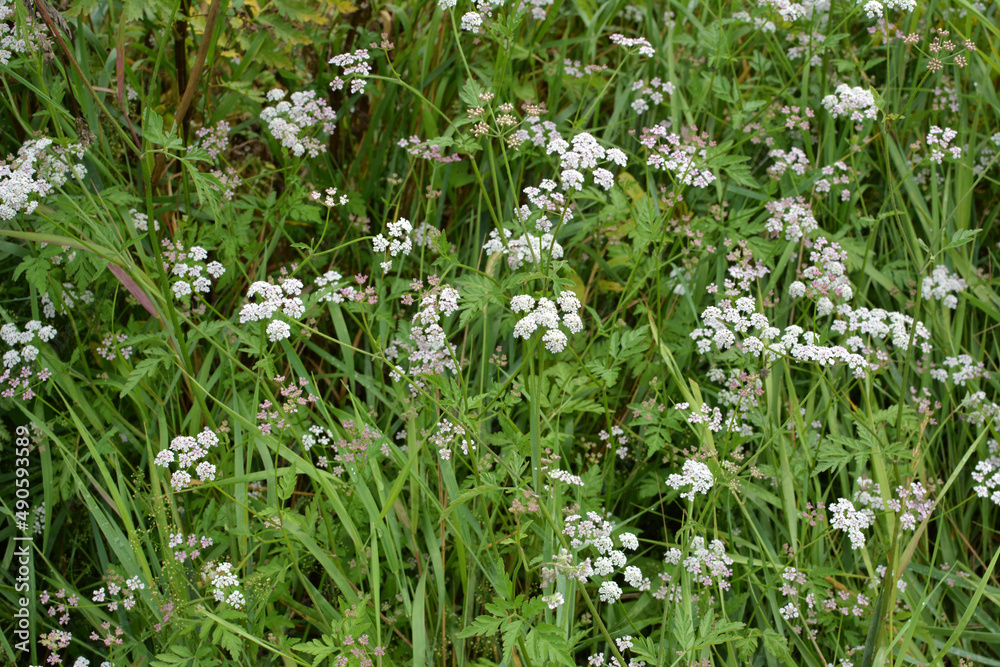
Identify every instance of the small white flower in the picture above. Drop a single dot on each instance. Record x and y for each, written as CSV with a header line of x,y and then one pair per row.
x,y
522,303
697,475
181,289
206,471
555,340
610,592
789,611
278,330
843,516
472,21
554,601
164,458
180,480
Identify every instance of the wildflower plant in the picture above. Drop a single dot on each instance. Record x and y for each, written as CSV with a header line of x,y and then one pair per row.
x,y
519,332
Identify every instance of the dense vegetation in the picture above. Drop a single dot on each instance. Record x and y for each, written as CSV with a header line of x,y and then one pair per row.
x,y
537,332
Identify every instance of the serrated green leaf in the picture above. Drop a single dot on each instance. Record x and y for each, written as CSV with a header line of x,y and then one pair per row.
x,y
483,626
286,483
720,632
683,628
511,631
35,270
832,456
746,645
961,237
321,647
470,93
777,645
143,369
133,10
228,641
629,343
546,645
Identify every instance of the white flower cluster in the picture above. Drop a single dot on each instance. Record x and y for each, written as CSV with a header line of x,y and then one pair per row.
x,y
978,410
943,286
609,592
789,612
831,178
546,314
428,351
284,297
594,531
214,139
141,221
435,303
708,564
192,275
960,369
12,41
911,503
399,233
565,476
70,297
759,22
654,92
791,216
447,436
39,168
987,475
125,591
329,287
826,278
713,419
317,435
225,584
856,103
723,322
640,44
330,199
787,10
538,8
694,474
844,516
472,22
355,65
880,325
986,156
111,347
794,159
939,142
546,200
583,152
290,122
876,8
684,157
526,249
540,132
21,342
186,451
178,543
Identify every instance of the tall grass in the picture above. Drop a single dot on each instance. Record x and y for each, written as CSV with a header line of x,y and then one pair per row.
x,y
409,471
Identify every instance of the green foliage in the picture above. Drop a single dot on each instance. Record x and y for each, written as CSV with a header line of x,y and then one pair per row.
x,y
347,442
